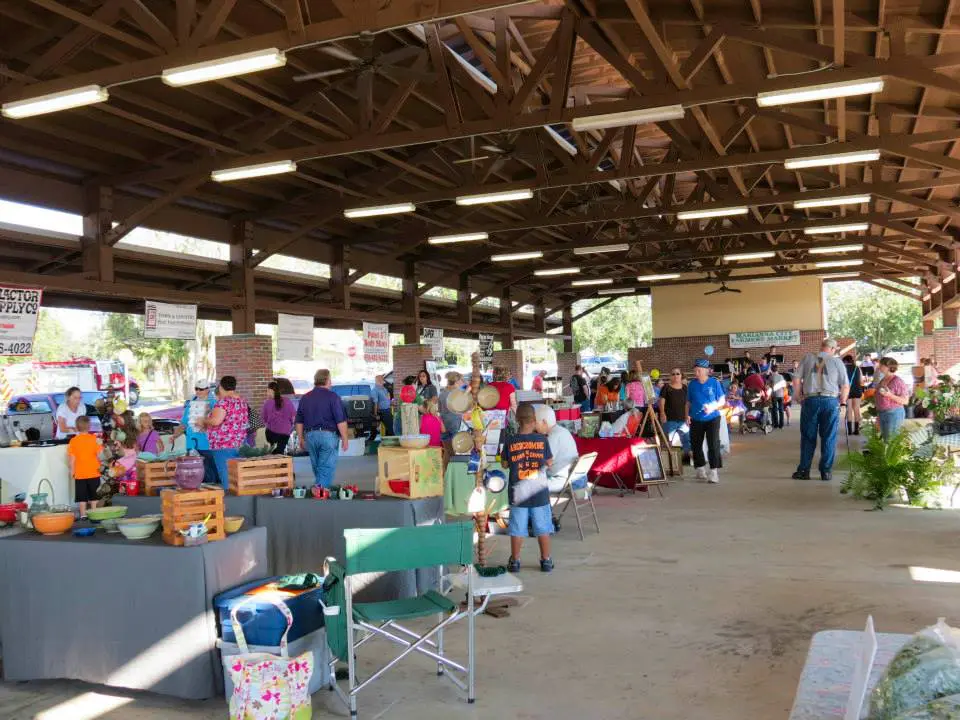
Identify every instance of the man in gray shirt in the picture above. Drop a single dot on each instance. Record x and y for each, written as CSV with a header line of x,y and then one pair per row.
x,y
820,385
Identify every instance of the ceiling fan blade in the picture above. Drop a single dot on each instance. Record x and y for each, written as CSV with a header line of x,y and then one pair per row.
x,y
494,149
395,56
407,73
477,158
321,74
734,290
713,292
339,52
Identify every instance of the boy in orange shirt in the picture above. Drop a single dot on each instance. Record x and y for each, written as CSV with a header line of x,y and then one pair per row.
x,y
83,454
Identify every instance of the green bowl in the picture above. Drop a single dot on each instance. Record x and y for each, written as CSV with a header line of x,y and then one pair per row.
x,y
107,513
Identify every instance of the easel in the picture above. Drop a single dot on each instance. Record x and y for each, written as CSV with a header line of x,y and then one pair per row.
x,y
674,464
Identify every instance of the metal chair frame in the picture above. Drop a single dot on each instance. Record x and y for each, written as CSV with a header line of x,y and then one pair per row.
x,y
569,493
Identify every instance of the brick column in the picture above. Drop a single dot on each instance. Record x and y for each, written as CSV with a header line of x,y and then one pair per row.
x,y
946,350
512,360
949,316
566,364
409,360
249,358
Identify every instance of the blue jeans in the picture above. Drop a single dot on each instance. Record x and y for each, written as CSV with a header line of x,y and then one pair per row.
x,y
820,416
220,458
890,422
210,474
585,406
522,517
324,449
672,426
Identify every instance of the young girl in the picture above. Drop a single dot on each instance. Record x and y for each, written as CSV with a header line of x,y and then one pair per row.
x,y
148,439
430,423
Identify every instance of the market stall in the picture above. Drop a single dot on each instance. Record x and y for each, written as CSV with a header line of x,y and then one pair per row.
x,y
614,460
22,469
117,612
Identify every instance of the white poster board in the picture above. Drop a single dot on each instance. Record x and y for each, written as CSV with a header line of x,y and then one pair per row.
x,y
486,348
19,310
376,342
434,338
294,337
765,338
861,672
173,322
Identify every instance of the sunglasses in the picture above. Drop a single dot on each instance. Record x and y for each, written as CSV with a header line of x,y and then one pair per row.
x,y
201,389
676,373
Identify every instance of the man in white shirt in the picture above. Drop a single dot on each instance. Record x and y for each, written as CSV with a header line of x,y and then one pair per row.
x,y
562,446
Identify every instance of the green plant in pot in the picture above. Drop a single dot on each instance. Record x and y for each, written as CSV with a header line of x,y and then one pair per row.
x,y
943,400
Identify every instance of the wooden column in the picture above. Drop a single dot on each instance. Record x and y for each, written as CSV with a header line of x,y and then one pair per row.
x,y
339,271
97,253
243,310
464,300
928,327
949,316
540,317
568,329
411,304
506,318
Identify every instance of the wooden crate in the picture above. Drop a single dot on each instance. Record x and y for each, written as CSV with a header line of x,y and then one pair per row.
x,y
154,476
260,476
183,508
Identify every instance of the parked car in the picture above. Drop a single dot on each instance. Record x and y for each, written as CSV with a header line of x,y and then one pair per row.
x,y
594,365
133,392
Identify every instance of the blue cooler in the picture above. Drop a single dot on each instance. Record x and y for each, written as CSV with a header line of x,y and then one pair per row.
x,y
262,623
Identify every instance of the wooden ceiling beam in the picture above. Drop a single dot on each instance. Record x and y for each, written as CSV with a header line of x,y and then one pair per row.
x,y
150,24
96,25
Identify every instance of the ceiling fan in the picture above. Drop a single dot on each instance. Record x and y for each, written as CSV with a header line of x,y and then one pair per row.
x,y
505,152
722,289
368,61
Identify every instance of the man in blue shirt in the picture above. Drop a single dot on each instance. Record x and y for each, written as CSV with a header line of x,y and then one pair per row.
x,y
197,435
382,397
705,397
320,420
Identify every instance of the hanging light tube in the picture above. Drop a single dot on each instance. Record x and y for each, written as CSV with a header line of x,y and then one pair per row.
x,y
494,197
831,202
616,291
54,102
828,229
654,278
252,171
832,276
587,283
224,67
509,257
619,247
750,256
835,159
712,213
823,91
550,272
837,263
374,210
629,117
834,249
458,238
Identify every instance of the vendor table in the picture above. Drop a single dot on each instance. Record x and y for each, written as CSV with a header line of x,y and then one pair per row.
x,y
825,681
615,466
22,468
303,532
118,612
457,486
234,505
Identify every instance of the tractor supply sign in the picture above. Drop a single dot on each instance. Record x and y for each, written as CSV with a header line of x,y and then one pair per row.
x,y
376,342
175,322
765,338
19,309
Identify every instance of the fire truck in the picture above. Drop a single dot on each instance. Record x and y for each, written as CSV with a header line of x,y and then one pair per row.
x,y
85,373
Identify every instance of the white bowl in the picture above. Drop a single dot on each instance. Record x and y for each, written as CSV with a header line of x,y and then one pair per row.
x,y
138,528
414,442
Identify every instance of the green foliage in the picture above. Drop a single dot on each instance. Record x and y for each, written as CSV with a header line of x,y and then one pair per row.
x,y
625,323
943,400
877,319
169,357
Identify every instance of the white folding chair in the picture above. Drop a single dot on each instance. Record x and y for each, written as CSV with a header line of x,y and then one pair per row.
x,y
568,495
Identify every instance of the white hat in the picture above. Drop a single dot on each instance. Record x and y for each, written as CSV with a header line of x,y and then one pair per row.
x,y
201,385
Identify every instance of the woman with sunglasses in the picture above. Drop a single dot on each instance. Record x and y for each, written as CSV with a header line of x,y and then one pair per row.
x,y
673,409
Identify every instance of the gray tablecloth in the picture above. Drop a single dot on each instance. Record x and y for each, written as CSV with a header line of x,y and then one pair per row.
x,y
232,505
112,611
303,532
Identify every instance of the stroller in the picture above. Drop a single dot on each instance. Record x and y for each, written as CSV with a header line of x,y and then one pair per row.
x,y
756,418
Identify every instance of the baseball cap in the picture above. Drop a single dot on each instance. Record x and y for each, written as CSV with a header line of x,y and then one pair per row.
x,y
702,363
201,385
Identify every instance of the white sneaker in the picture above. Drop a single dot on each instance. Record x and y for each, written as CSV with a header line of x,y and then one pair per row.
x,y
714,477
702,473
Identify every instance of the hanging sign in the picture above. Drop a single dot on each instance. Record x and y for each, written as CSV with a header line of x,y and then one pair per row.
x,y
764,338
174,322
376,342
19,309
486,348
294,337
434,338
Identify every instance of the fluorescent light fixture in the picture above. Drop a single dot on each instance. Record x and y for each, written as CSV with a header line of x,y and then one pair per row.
x,y
458,238
586,283
836,159
495,197
619,247
750,256
43,104
373,210
823,91
224,67
252,171
827,229
557,271
831,202
834,249
832,276
653,278
508,257
837,263
715,212
769,279
629,117
616,291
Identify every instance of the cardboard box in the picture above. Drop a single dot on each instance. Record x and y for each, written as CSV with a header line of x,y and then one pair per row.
x,y
356,447
415,473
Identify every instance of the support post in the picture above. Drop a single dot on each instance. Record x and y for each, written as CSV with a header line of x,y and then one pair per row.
x,y
339,272
96,252
949,316
928,327
506,318
411,304
568,329
540,317
243,310
464,306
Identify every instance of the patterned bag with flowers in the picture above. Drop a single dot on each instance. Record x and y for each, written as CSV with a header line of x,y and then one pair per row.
x,y
266,686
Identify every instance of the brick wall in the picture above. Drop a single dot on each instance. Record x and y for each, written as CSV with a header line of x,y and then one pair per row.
x,y
566,363
946,350
249,358
512,360
926,347
409,360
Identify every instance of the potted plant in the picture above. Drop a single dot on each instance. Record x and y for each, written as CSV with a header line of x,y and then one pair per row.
x,y
943,401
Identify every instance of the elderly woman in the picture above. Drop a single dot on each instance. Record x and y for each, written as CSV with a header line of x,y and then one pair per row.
x,y
451,420
227,425
563,448
891,396
705,399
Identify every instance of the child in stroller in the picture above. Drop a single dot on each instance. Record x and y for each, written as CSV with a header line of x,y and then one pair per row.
x,y
756,417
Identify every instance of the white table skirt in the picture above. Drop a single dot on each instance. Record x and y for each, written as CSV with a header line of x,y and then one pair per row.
x,y
22,468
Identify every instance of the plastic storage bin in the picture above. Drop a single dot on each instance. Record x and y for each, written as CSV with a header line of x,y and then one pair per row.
x,y
262,623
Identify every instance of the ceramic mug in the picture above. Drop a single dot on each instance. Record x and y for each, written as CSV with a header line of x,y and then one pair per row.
x,y
299,492
277,492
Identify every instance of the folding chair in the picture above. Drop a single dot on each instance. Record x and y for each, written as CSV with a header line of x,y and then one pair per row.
x,y
351,625
568,495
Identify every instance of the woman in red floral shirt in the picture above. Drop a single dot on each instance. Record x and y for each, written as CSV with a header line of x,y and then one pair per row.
x,y
227,425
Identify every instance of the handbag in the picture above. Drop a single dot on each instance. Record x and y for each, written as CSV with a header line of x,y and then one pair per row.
x,y
267,686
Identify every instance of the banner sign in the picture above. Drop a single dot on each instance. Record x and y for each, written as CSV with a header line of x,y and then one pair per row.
x,y
376,342
434,338
175,322
19,309
486,348
294,337
764,338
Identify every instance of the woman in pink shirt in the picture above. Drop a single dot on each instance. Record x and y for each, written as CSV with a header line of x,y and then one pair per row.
x,y
635,390
278,414
430,423
892,394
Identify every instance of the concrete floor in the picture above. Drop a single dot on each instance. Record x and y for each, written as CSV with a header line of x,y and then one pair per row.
x,y
699,606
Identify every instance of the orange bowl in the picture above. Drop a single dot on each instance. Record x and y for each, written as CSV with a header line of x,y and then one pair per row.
x,y
52,523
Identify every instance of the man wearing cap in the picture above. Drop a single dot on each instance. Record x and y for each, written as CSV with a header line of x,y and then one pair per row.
x,y
197,433
821,386
705,398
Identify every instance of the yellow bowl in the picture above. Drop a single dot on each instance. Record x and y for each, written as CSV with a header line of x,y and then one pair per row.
x,y
232,524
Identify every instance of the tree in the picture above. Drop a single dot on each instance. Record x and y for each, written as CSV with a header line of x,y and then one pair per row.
x,y
624,323
171,358
877,319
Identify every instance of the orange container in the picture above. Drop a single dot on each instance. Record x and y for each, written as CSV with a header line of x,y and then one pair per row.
x,y
52,523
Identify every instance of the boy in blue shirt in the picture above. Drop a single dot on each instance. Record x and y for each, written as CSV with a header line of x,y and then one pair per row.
x,y
528,455
705,397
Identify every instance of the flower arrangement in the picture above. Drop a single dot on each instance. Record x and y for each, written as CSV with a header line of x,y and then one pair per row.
x,y
943,400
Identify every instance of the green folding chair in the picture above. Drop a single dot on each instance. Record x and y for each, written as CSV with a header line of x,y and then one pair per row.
x,y
350,625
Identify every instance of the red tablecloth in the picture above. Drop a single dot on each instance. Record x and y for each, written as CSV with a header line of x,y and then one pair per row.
x,y
613,456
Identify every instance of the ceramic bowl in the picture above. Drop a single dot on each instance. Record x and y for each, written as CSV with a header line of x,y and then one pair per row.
x,y
84,531
107,513
52,523
488,397
462,442
459,401
110,525
137,528
414,442
232,524
300,492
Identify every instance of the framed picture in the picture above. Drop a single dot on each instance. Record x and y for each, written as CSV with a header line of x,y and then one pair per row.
x,y
650,462
647,388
